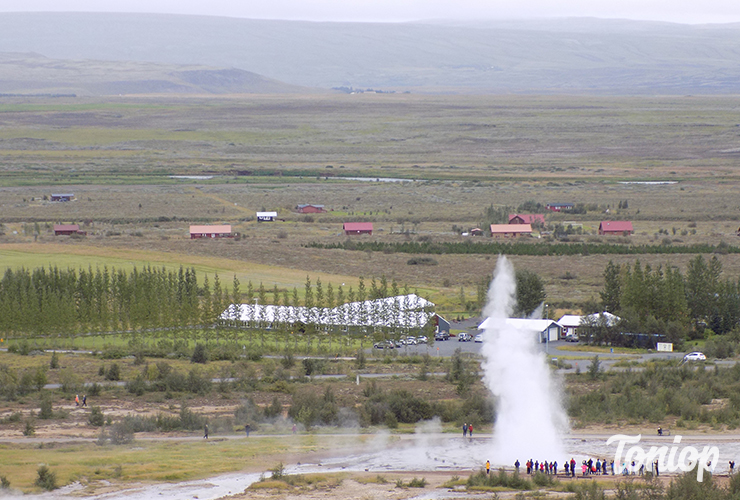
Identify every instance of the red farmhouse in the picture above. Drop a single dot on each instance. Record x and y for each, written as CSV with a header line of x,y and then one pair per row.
x,y
67,229
220,231
618,227
310,209
510,230
527,219
357,228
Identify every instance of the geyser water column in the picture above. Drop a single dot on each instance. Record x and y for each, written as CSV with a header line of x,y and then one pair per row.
x,y
530,420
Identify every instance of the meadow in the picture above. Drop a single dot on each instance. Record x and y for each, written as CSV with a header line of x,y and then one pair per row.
x,y
457,156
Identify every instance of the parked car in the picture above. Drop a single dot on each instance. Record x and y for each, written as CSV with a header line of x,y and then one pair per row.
x,y
571,338
695,356
422,339
385,344
441,336
464,337
479,338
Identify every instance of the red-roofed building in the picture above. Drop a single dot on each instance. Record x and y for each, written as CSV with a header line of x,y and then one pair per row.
x,y
535,219
357,228
510,230
215,231
310,209
618,227
67,229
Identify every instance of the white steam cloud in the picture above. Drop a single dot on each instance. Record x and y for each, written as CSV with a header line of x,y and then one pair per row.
x,y
530,420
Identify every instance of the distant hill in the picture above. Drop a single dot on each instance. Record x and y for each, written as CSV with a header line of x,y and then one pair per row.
x,y
570,55
35,74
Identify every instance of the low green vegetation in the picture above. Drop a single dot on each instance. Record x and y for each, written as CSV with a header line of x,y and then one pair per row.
x,y
692,395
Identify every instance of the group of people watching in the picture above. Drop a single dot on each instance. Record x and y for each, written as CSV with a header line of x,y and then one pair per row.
x,y
587,467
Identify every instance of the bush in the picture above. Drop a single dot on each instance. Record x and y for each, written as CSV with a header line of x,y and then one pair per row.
x,y
121,433
96,417
54,363
45,408
421,261
189,420
4,483
113,372
30,429
313,366
46,479
418,483
199,354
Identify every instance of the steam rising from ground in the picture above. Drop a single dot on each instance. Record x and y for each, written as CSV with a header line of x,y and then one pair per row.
x,y
530,420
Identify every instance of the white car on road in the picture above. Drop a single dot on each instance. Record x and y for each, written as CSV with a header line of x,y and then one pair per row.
x,y
695,356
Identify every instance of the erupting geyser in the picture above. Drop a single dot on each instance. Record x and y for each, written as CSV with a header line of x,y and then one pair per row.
x,y
530,420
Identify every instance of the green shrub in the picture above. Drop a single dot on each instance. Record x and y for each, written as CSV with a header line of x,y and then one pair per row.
x,y
418,483
96,417
4,483
30,429
54,363
199,354
45,408
46,479
113,373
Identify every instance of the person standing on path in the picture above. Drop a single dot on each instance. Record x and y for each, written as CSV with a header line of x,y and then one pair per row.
x,y
84,401
470,430
247,429
205,434
465,430
488,467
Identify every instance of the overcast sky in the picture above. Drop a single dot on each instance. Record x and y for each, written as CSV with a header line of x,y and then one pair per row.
x,y
681,11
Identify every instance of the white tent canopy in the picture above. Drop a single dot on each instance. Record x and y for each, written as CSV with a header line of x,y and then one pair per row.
x,y
406,311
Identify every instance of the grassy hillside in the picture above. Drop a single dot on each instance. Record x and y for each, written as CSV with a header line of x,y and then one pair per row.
x,y
538,56
31,73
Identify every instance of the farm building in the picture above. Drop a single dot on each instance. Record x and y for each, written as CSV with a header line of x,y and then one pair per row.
x,y
403,311
67,229
266,216
215,231
546,330
310,209
357,228
618,227
535,219
62,197
560,207
570,322
510,230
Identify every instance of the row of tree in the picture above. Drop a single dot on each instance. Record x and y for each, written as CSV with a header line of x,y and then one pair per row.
x,y
57,301
662,299
470,247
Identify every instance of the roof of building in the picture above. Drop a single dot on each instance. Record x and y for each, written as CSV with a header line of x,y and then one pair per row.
x,y
521,324
303,205
66,227
528,218
574,320
616,225
510,228
403,310
358,226
219,229
560,205
62,194
266,214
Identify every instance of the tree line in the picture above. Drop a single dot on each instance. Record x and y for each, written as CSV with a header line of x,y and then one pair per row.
x,y
522,248
53,301
663,301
